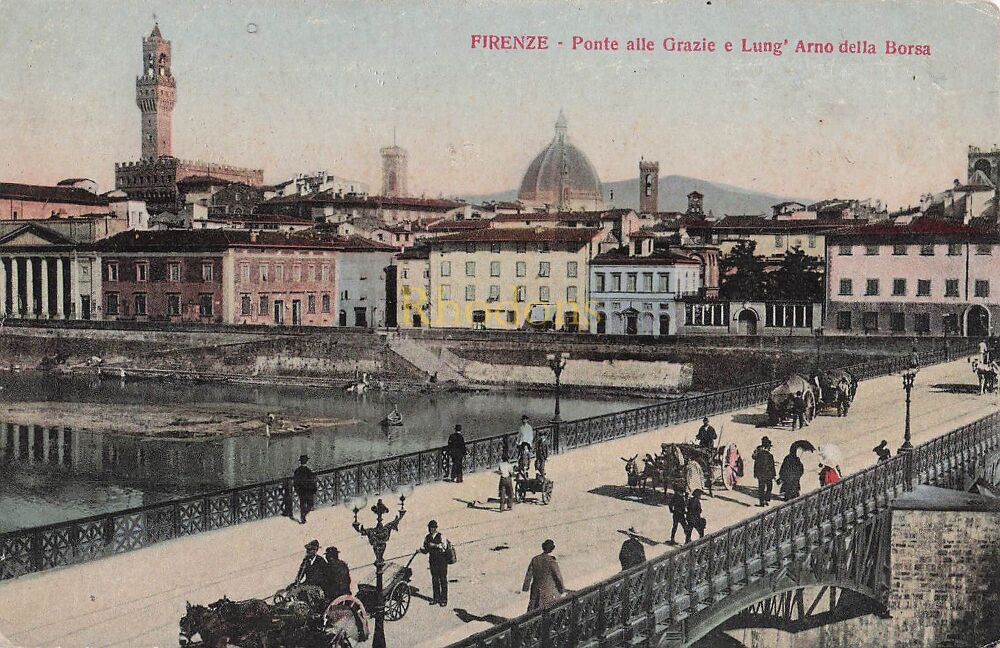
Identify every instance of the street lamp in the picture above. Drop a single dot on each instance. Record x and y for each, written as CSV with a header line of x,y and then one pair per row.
x,y
378,537
907,448
557,364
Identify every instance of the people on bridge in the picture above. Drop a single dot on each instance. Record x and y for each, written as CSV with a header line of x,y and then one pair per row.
x,y
883,452
505,489
828,475
843,397
763,471
678,511
525,435
436,548
799,410
632,552
337,581
706,435
541,453
543,578
456,453
312,570
695,520
790,474
304,484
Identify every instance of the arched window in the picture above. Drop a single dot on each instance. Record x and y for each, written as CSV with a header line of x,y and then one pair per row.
x,y
163,64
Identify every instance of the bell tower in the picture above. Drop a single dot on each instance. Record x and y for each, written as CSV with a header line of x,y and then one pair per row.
x,y
156,94
649,187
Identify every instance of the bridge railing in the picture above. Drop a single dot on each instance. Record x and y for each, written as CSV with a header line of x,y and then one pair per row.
x,y
652,597
84,539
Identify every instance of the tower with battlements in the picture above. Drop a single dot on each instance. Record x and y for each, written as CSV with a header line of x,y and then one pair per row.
x,y
649,187
394,171
156,94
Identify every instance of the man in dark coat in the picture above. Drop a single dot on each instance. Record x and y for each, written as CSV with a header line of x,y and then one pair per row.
x,y
883,451
843,397
706,435
456,452
763,471
694,517
799,410
312,570
436,548
790,474
304,483
543,578
678,510
632,552
338,575
541,453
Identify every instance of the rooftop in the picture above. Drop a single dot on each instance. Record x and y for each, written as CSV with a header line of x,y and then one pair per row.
x,y
621,256
524,234
918,227
221,239
43,193
604,214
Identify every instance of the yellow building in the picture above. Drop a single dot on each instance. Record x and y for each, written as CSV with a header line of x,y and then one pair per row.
x,y
505,278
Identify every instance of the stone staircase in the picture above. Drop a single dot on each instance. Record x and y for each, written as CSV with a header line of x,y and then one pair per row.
x,y
440,361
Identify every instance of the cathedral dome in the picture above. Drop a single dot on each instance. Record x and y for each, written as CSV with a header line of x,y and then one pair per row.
x,y
562,176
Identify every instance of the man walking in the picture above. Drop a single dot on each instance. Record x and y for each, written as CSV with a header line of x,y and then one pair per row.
x,y
678,510
436,548
505,489
694,518
541,454
543,578
798,410
843,397
763,471
456,452
706,435
632,552
304,483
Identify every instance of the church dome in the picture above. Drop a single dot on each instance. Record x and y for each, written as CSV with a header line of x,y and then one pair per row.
x,y
562,176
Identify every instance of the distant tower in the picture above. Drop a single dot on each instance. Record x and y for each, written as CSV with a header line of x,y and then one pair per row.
x,y
393,171
695,207
649,187
156,94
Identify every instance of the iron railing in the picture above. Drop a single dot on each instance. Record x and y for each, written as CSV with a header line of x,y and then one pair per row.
x,y
651,598
66,543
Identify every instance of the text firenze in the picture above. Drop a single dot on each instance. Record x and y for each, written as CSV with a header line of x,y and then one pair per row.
x,y
697,45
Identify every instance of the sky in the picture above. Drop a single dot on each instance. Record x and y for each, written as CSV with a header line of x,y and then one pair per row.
x,y
302,86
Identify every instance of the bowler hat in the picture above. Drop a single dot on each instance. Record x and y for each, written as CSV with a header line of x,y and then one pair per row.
x,y
332,550
458,428
764,441
548,545
303,458
313,544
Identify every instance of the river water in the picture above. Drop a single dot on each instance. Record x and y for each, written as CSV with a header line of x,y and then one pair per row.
x,y
51,474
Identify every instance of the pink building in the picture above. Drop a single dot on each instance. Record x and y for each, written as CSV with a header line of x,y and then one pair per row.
x,y
36,202
928,277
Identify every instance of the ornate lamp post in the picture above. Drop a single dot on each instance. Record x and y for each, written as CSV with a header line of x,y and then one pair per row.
x,y
557,364
907,448
378,537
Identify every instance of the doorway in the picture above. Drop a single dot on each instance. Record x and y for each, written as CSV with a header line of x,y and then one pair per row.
x,y
279,312
296,312
977,322
664,324
746,322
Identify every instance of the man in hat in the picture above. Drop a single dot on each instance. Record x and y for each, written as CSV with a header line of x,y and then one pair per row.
x,y
505,489
883,452
456,453
436,548
543,578
525,442
706,435
541,454
763,471
632,552
304,483
694,517
312,571
337,578
678,511
799,410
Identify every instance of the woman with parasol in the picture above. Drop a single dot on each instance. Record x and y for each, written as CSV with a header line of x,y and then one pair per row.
x,y
829,465
791,471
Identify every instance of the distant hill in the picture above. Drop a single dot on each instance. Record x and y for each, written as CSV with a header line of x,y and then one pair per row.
x,y
720,198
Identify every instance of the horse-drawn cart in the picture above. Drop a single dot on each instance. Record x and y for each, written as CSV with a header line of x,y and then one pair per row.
x,y
686,466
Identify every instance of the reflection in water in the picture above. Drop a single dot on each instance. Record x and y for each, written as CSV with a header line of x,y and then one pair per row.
x,y
54,473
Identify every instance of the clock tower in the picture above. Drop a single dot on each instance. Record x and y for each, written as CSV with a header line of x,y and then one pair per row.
x,y
156,94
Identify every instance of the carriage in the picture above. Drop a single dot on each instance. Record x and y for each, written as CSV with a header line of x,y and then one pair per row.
x,y
395,589
779,404
828,383
686,466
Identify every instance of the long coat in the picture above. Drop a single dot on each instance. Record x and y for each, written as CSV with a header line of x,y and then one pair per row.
x,y
763,464
791,474
545,580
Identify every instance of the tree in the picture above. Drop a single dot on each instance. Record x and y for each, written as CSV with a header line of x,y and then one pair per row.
x,y
799,277
743,275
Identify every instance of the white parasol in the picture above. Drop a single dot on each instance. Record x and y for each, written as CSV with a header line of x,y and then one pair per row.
x,y
831,454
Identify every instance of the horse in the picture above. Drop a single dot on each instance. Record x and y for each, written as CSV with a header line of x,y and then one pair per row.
x,y
987,375
226,621
636,479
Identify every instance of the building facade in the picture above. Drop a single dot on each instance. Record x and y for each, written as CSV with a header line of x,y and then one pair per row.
x,y
928,277
636,294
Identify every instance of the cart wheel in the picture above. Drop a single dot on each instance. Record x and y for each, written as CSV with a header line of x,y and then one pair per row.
x,y
398,602
547,492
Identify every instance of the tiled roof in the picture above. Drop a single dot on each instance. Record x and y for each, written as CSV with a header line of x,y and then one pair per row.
x,y
456,226
766,225
919,227
220,240
42,193
525,234
579,216
656,257
420,252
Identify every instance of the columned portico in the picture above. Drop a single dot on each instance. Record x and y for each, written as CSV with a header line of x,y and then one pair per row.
x,y
44,276
15,291
60,290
